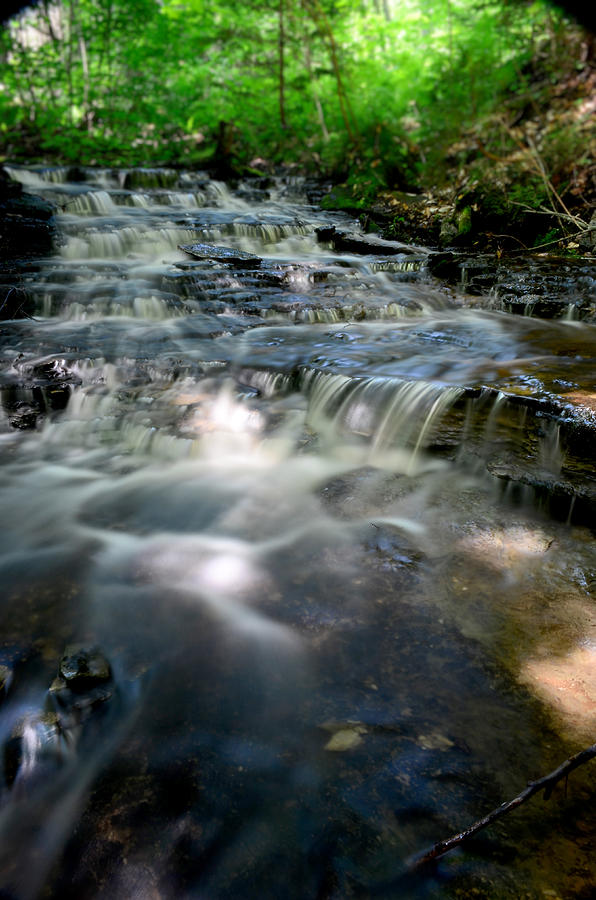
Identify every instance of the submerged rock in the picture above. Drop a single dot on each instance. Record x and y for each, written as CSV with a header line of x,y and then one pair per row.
x,y
344,736
84,667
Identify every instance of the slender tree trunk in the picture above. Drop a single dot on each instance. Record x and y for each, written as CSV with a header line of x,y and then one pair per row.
x,y
85,64
315,93
87,113
281,48
321,21
45,14
70,59
108,49
27,68
450,33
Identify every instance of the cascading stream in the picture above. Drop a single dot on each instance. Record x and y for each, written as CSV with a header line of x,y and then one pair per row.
x,y
289,584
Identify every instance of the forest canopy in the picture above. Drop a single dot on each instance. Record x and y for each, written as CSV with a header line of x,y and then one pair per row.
x,y
328,84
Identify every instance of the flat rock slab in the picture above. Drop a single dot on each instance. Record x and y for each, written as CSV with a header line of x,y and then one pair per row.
x,y
222,255
362,244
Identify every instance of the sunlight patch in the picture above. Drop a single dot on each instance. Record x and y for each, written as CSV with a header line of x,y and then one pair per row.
x,y
568,685
502,548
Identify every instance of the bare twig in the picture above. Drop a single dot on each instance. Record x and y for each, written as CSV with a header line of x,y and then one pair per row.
x,y
561,240
549,186
17,290
510,237
545,784
11,291
542,211
575,220
555,200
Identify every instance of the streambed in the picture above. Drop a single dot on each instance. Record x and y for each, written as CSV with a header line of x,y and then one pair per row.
x,y
327,521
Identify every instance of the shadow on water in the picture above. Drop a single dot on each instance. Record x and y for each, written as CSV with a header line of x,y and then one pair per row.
x,y
289,587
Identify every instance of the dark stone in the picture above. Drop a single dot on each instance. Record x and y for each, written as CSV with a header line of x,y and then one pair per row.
x,y
325,233
150,178
445,266
222,255
362,244
27,225
21,414
76,174
84,667
42,388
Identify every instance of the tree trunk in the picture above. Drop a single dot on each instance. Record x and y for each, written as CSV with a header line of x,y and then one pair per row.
x,y
281,48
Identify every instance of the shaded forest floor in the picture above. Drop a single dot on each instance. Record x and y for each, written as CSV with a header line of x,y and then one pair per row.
x,y
523,179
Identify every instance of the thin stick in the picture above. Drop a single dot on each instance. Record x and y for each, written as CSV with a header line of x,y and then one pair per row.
x,y
541,211
17,290
545,784
561,240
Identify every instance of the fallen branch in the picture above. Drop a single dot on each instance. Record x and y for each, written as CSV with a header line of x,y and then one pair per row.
x,y
545,784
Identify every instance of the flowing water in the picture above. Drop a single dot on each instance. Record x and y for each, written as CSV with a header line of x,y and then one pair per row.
x,y
326,523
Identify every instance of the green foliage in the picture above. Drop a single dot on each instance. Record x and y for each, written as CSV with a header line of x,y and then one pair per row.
x,y
368,90
550,236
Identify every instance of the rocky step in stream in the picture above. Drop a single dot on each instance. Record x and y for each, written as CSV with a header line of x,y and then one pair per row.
x,y
530,286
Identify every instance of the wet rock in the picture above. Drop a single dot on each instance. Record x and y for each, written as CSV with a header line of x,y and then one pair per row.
x,y
362,244
21,414
255,190
76,174
42,739
83,667
37,389
222,255
563,499
27,225
325,233
445,266
546,288
158,178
